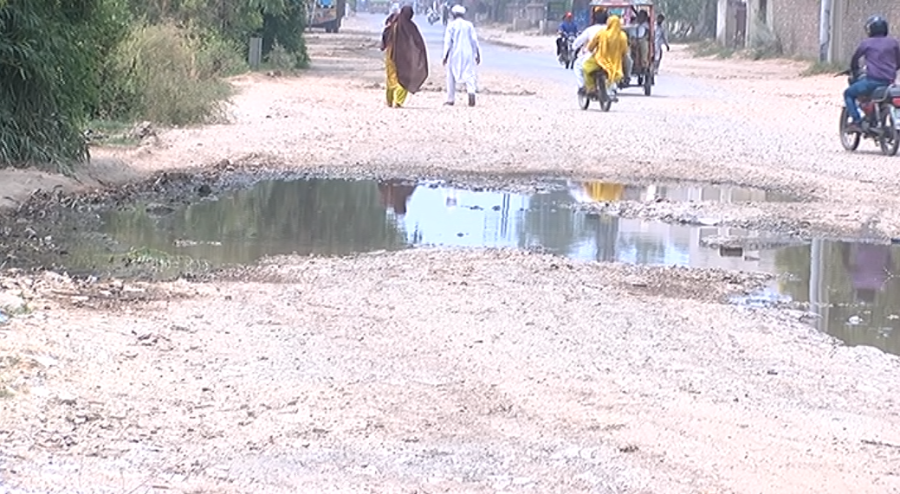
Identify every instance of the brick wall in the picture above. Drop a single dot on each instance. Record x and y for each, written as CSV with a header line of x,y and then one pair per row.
x,y
796,23
850,18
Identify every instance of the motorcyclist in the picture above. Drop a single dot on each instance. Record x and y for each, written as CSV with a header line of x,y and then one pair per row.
x,y
566,29
882,54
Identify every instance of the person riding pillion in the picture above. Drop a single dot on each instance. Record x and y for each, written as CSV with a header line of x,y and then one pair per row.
x,y
660,39
608,47
882,54
642,39
567,28
598,23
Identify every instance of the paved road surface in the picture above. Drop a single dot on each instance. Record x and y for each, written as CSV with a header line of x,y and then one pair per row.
x,y
536,65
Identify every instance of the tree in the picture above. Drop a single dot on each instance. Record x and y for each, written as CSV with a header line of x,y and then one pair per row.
x,y
689,19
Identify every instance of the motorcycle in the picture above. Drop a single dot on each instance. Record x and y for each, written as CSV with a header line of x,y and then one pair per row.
x,y
600,94
880,117
567,54
433,16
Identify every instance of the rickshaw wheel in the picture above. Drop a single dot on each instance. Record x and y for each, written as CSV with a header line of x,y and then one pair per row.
x,y
605,104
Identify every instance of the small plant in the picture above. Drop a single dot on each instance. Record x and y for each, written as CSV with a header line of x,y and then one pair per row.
x,y
164,77
711,48
764,43
280,59
819,68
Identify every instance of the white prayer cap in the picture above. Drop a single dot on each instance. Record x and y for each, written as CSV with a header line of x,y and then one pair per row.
x,y
458,9
395,8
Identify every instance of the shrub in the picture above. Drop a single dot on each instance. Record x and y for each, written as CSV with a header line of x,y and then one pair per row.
x,y
164,75
50,58
764,43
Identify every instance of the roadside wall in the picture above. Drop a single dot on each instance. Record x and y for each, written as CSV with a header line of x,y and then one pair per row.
x,y
796,24
849,19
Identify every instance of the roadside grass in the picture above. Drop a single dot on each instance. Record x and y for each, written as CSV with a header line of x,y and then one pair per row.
x,y
710,48
280,61
820,68
112,133
8,366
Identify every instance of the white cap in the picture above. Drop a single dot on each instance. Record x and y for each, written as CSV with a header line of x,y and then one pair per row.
x,y
458,9
395,8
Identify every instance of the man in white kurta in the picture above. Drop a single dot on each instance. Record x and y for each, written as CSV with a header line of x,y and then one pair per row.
x,y
461,55
599,24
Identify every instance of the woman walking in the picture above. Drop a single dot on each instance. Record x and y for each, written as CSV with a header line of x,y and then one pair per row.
x,y
406,58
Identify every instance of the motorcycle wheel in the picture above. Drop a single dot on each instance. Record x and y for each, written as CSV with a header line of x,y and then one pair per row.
x,y
605,100
850,140
584,101
889,141
605,103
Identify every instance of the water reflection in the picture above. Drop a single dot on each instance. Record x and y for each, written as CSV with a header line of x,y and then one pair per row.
x,y
852,287
395,195
611,192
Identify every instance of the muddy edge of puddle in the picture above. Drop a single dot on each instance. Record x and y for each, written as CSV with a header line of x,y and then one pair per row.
x,y
42,231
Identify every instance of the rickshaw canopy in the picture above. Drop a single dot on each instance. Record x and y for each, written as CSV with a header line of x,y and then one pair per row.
x,y
618,7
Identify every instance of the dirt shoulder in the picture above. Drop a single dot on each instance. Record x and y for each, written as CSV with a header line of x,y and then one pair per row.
x,y
439,370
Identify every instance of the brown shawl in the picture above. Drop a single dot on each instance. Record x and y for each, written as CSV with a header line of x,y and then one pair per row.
x,y
408,50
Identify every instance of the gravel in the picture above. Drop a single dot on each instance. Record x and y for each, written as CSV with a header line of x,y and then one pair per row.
x,y
459,370
468,370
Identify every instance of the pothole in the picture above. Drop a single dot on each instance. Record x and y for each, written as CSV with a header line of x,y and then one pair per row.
x,y
850,290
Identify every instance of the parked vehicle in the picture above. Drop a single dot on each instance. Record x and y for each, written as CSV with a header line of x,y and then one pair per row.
x,y
880,117
326,14
600,94
568,55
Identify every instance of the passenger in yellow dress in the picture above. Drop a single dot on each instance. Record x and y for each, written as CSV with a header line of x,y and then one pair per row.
x,y
608,46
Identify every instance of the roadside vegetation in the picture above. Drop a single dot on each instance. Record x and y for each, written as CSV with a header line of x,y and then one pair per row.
x,y
65,64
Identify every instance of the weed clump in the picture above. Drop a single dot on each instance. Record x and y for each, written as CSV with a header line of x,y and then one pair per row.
x,y
165,74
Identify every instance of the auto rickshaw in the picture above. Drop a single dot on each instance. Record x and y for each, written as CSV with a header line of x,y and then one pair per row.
x,y
628,11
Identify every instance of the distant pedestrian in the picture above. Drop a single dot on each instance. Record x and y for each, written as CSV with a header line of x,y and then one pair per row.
x,y
660,39
406,58
461,55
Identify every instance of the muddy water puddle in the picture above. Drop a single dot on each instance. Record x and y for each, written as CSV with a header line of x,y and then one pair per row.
x,y
612,192
852,289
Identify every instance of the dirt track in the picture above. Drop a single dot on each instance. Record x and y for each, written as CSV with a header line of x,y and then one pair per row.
x,y
466,371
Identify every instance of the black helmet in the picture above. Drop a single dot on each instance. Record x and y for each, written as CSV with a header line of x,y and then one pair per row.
x,y
877,27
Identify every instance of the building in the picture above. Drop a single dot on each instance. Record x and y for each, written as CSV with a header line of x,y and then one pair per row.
x,y
797,27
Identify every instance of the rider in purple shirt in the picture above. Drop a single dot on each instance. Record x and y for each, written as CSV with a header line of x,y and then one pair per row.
x,y
882,54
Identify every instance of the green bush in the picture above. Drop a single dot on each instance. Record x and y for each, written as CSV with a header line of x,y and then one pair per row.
x,y
63,61
165,76
51,54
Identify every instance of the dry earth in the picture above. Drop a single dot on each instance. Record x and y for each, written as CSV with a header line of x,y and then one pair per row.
x,y
439,371
464,371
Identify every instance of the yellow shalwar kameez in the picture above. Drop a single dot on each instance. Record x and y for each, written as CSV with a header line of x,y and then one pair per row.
x,y
396,94
604,192
609,46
